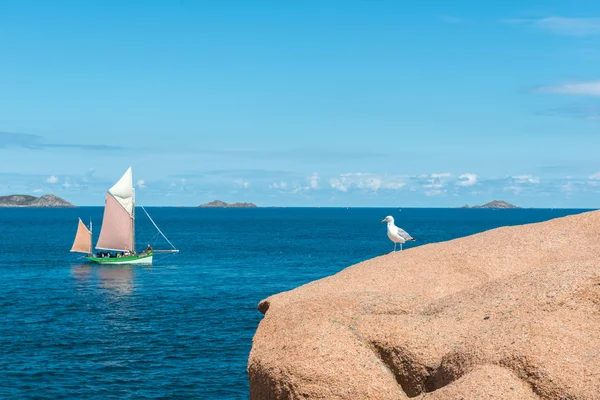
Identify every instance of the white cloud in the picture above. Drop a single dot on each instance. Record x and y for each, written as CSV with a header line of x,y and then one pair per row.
x,y
359,180
370,183
519,183
340,184
313,181
293,187
175,186
279,185
594,179
567,187
515,189
467,180
589,88
37,191
526,179
562,25
88,175
52,179
242,183
393,185
595,176
299,188
67,184
435,182
141,184
366,181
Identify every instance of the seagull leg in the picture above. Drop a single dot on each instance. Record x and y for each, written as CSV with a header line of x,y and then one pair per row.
x,y
394,247
400,246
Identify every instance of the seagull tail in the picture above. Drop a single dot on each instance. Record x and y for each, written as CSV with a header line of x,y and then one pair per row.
x,y
412,239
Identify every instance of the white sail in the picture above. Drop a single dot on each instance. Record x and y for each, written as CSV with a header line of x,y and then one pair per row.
x,y
122,191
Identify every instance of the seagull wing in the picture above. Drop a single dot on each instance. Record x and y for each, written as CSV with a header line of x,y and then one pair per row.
x,y
404,235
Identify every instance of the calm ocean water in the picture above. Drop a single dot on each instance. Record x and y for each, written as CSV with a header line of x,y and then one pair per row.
x,y
182,328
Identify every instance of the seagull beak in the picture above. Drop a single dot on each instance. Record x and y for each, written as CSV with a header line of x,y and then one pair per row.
x,y
383,220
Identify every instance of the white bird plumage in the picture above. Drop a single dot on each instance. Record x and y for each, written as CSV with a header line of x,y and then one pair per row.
x,y
396,235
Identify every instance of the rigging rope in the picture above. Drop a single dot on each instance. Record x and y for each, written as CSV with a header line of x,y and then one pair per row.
x,y
157,228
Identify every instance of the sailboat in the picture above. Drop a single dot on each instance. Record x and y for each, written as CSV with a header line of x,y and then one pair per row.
x,y
117,234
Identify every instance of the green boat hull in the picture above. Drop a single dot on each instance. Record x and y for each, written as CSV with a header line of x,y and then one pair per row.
x,y
144,258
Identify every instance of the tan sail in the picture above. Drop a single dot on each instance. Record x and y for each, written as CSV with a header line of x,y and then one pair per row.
x,y
83,239
117,227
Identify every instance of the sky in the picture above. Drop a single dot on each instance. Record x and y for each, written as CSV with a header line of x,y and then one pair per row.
x,y
303,102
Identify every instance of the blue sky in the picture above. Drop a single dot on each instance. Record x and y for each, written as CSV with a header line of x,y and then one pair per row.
x,y
303,103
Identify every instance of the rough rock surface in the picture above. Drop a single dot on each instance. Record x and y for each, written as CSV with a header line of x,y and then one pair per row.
x,y
511,313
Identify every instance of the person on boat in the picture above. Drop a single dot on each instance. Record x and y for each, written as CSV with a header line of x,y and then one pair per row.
x,y
148,249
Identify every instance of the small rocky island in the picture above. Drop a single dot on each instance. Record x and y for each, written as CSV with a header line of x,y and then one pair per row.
x,y
24,200
494,204
222,204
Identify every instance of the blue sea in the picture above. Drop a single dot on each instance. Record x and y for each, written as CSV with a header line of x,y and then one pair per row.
x,y
183,327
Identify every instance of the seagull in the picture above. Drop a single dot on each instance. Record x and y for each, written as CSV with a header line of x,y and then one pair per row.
x,y
396,235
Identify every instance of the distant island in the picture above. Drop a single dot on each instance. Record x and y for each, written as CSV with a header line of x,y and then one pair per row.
x,y
24,200
222,204
494,204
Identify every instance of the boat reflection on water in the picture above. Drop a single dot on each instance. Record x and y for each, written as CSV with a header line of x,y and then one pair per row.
x,y
81,272
116,278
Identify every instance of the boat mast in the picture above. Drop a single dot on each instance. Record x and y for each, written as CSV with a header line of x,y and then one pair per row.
x,y
133,222
91,237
